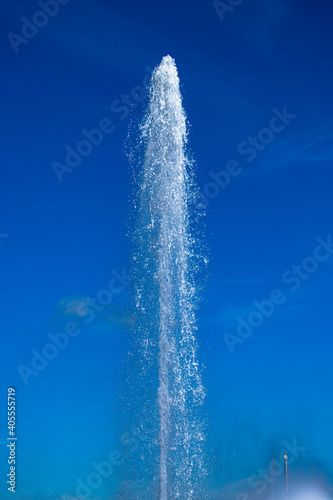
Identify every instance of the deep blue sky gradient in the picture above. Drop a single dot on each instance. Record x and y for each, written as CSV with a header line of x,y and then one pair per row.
x,y
65,238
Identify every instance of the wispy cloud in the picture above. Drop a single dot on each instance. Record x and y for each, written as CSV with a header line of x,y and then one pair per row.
x,y
76,306
284,153
264,342
238,281
261,20
320,148
80,37
81,308
230,312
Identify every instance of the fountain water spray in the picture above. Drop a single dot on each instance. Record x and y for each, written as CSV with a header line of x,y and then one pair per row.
x,y
167,257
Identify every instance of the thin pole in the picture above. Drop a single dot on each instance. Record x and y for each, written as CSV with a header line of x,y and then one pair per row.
x,y
286,474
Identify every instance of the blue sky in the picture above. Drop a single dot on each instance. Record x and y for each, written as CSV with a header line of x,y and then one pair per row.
x,y
62,242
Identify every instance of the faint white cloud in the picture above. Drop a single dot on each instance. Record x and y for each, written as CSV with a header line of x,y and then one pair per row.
x,y
284,153
107,315
77,306
105,43
264,342
238,281
261,19
227,317
318,148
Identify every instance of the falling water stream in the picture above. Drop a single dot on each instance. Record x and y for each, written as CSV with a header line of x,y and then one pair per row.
x,y
166,260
